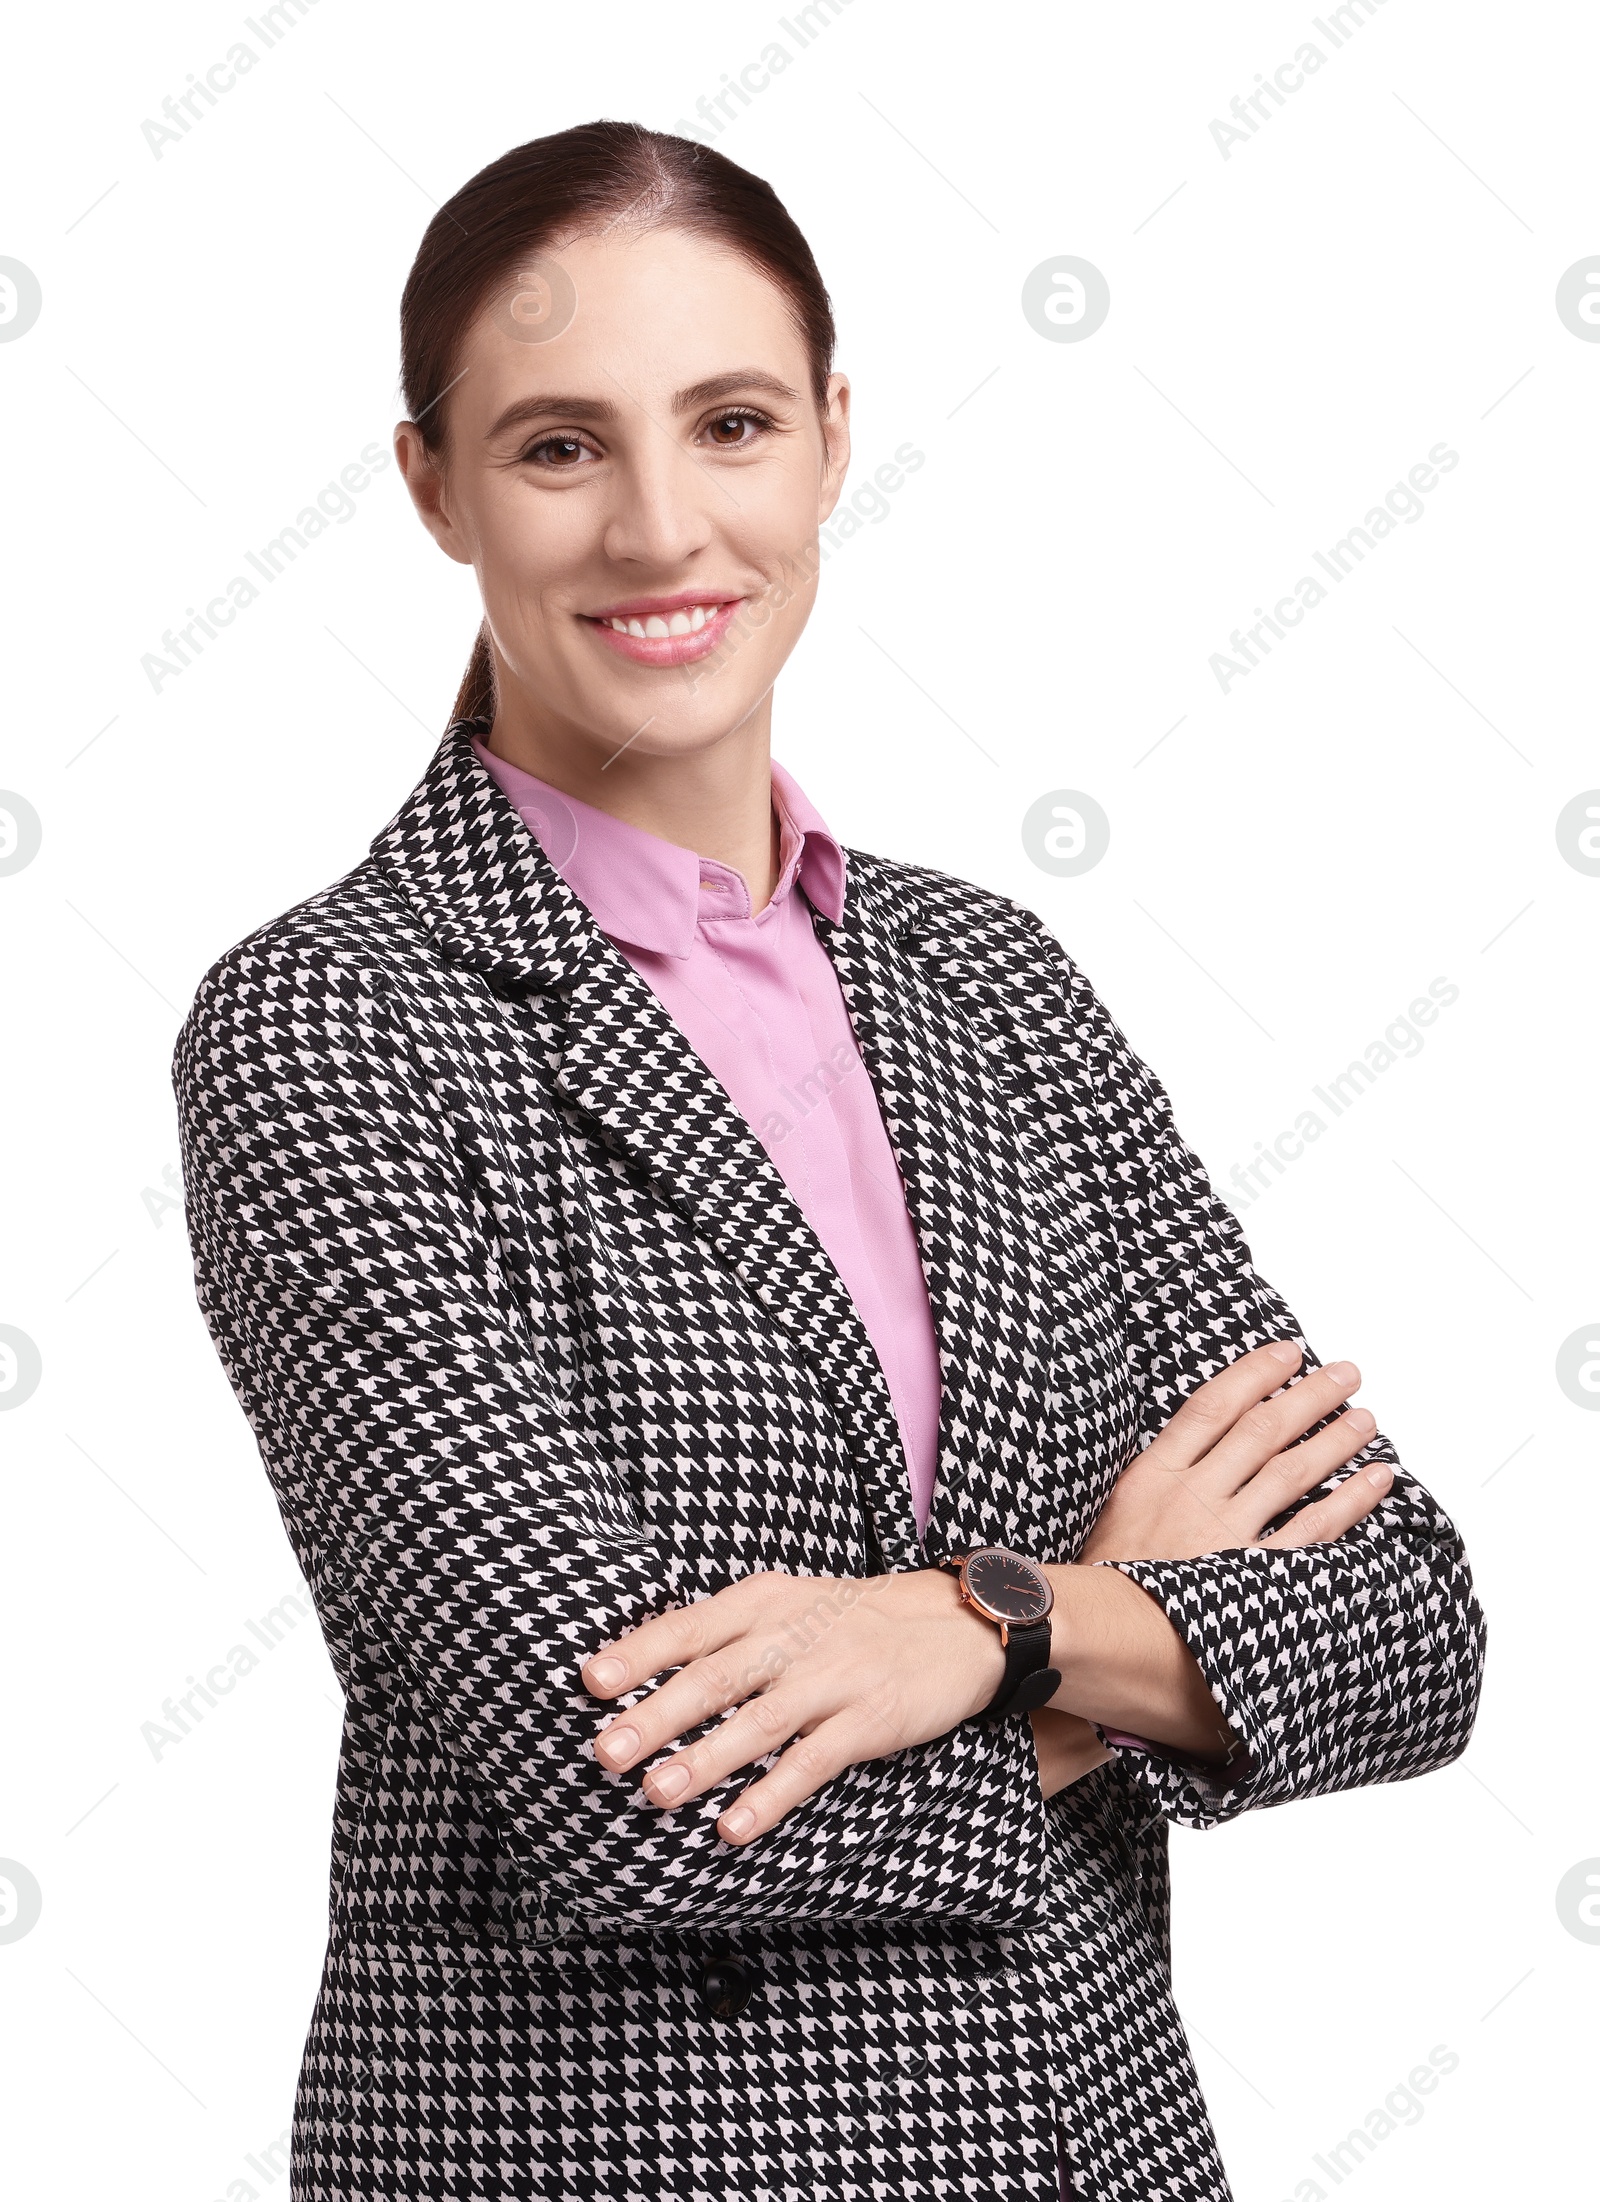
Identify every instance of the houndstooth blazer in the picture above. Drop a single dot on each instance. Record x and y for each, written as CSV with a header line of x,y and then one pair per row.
x,y
535,1343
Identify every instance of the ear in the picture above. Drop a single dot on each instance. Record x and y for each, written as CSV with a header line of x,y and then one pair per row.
x,y
836,445
425,477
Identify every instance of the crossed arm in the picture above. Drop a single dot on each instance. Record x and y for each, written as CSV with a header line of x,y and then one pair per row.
x,y
836,1674
468,1540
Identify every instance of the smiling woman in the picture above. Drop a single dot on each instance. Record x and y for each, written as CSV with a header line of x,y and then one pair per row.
x,y
790,1541
566,470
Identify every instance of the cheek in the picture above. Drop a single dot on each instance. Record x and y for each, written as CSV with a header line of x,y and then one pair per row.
x,y
527,543
764,512
775,531
787,512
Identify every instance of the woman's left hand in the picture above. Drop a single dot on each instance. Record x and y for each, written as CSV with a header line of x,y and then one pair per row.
x,y
840,1670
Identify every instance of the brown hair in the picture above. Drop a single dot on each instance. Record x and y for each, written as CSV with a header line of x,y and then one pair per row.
x,y
574,183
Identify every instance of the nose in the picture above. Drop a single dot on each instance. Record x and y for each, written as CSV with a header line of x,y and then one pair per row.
x,y
662,511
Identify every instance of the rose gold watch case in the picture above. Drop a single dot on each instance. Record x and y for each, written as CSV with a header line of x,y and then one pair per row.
x,y
1003,1622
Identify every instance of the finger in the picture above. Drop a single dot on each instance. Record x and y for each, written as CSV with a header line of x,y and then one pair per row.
x,y
672,1639
810,1761
1264,1429
760,1725
1347,1503
1214,1406
1289,1475
763,1722
696,1693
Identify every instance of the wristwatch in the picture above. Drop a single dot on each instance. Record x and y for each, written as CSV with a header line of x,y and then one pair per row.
x,y
1016,1595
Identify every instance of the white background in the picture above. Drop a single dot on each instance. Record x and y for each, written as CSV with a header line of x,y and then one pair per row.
x,y
1291,862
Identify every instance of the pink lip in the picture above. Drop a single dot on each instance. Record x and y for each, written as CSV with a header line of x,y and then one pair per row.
x,y
664,649
641,607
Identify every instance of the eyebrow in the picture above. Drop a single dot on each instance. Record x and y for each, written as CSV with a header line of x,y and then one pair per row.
x,y
530,409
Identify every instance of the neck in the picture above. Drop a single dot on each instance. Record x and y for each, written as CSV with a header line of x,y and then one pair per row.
x,y
716,801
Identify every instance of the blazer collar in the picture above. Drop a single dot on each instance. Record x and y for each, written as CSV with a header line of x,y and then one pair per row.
x,y
478,879
494,902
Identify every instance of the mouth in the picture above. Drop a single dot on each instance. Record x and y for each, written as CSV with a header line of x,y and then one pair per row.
x,y
665,630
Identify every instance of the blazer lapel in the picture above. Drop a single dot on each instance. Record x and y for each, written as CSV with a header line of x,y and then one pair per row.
x,y
496,905
971,1203
628,1069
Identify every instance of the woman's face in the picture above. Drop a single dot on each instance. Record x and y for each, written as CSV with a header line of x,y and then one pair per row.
x,y
639,494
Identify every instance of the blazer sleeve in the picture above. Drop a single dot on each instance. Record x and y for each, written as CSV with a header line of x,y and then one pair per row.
x,y
1338,1664
460,1532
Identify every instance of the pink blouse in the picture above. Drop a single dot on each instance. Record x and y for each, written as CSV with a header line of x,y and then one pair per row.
x,y
758,999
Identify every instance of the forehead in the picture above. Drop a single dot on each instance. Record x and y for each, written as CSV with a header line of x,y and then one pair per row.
x,y
652,312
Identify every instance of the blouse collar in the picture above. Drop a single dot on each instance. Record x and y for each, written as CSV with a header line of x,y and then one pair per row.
x,y
653,894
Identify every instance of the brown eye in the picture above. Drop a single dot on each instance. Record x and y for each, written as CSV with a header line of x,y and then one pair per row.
x,y
733,431
556,451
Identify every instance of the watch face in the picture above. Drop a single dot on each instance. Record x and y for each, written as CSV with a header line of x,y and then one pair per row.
x,y
1008,1587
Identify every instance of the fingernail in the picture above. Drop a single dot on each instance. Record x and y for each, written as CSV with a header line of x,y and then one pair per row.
x,y
670,1782
1380,1473
738,1822
1286,1354
1340,1372
619,1743
1359,1419
605,1673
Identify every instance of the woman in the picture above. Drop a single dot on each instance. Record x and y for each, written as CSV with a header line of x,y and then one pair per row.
x,y
654,1246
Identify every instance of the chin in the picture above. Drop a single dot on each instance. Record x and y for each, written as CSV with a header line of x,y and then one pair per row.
x,y
678,725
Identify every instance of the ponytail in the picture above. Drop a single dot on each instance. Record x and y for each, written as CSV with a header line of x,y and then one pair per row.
x,y
475,698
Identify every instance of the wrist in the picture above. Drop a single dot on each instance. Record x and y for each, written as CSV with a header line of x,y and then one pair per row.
x,y
968,1644
979,1648
1013,1597
1124,1666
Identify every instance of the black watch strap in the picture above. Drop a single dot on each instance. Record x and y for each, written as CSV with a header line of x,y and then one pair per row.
x,y
1029,1680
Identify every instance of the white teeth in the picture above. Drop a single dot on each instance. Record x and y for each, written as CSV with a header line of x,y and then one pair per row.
x,y
655,627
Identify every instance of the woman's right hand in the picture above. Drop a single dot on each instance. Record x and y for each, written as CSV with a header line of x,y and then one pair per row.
x,y
1226,1465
